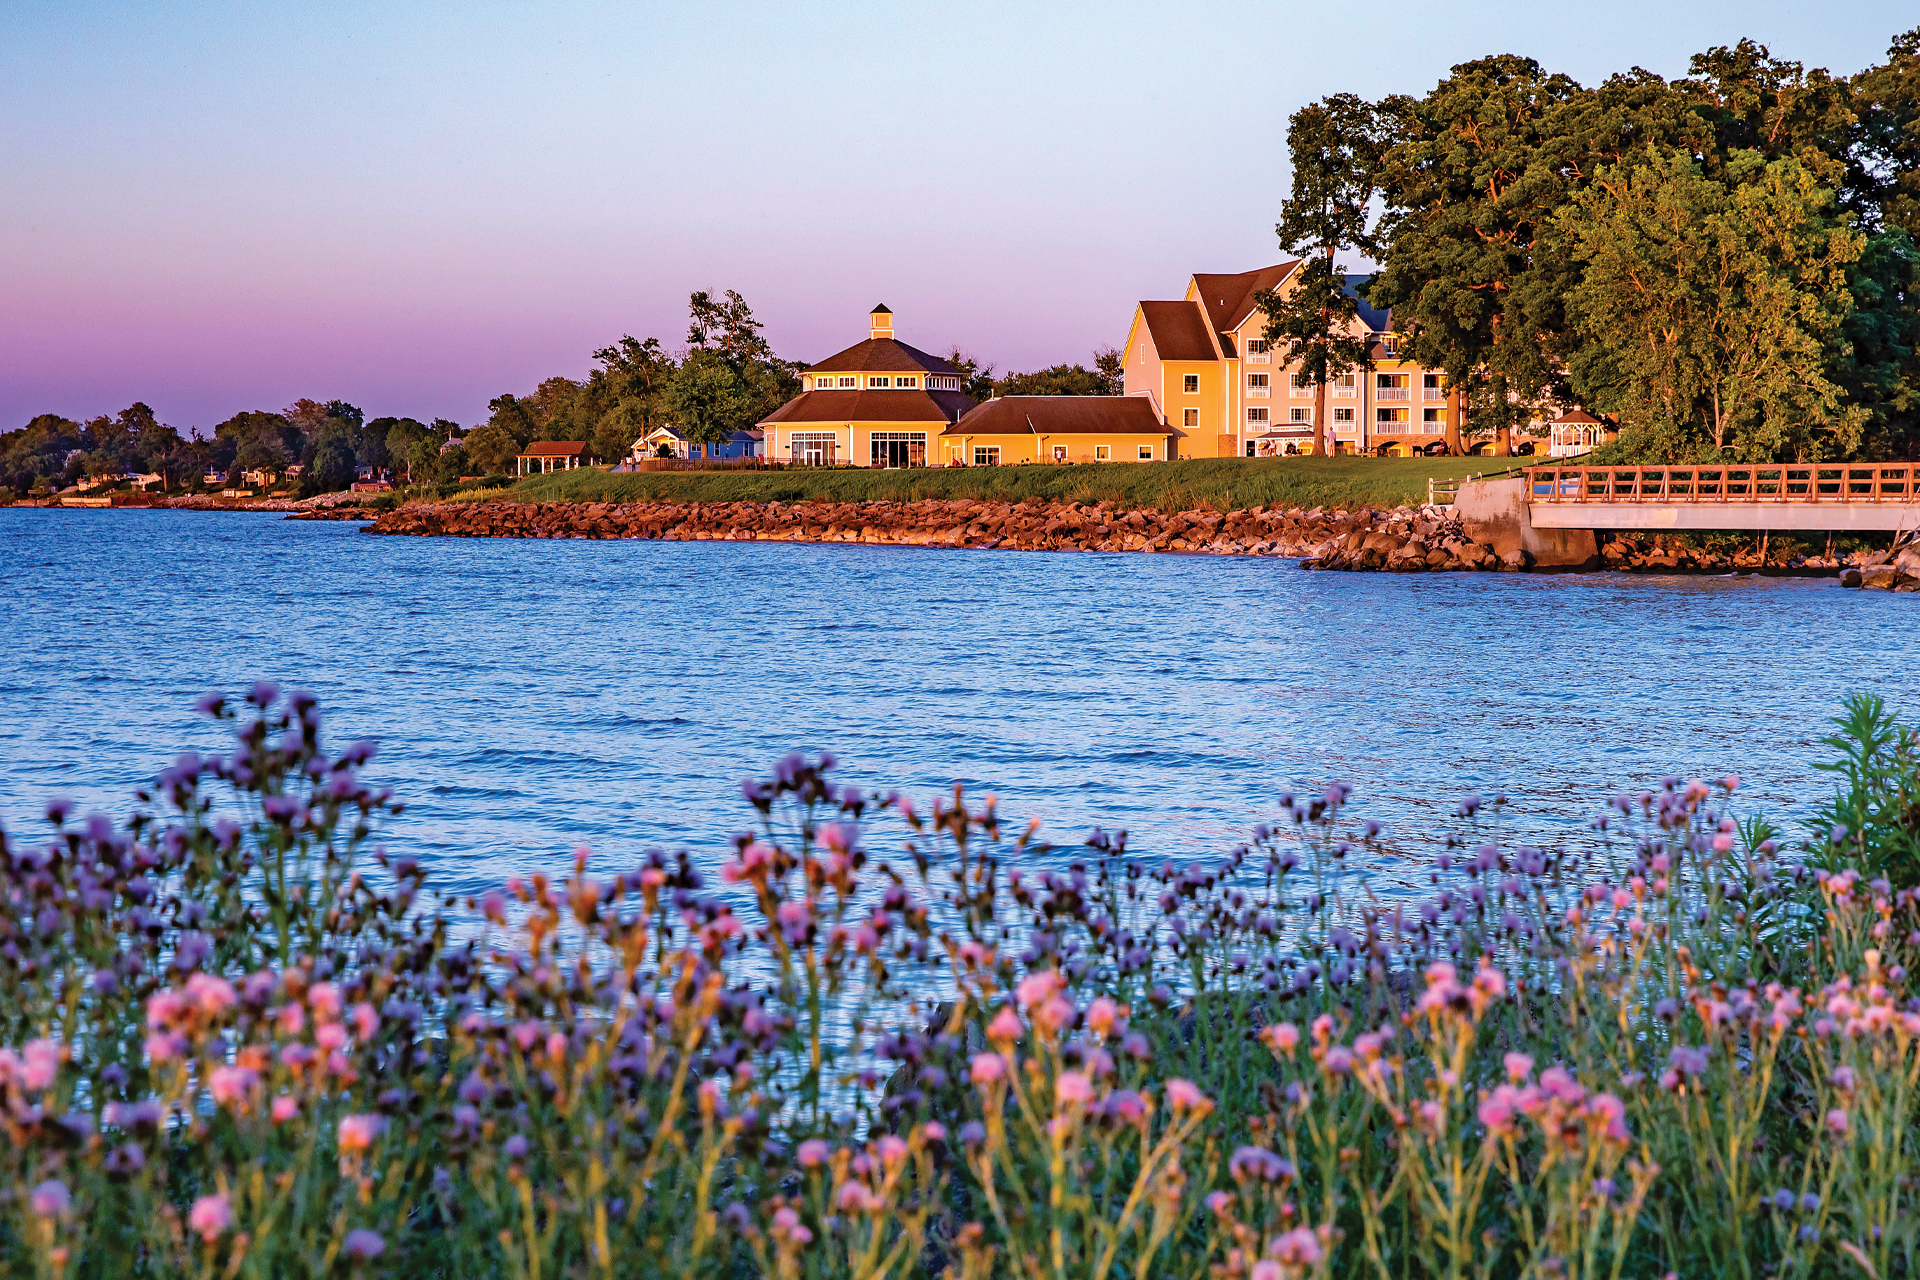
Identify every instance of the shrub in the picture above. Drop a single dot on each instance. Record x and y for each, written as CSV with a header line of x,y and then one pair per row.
x,y
248,1041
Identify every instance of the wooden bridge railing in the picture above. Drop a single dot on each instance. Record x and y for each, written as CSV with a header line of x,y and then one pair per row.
x,y
1835,482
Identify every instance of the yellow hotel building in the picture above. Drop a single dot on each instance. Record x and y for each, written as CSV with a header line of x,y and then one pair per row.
x,y
882,403
1202,361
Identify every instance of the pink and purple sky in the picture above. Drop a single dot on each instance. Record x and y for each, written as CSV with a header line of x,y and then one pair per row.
x,y
218,207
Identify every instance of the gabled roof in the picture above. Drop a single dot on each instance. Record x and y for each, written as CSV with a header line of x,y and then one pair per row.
x,y
1179,331
1583,417
872,406
554,449
1229,299
1378,319
882,355
1063,415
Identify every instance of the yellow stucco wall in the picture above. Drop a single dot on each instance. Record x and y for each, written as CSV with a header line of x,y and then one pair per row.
x,y
1080,447
853,441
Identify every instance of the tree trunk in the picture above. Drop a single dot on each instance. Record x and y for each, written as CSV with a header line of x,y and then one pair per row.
x,y
1453,423
1503,441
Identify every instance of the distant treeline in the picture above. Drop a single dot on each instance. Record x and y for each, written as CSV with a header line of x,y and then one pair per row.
x,y
1725,263
725,378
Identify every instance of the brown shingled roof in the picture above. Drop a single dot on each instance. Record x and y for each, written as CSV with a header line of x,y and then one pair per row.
x,y
882,355
1063,415
1179,331
1229,299
554,449
872,406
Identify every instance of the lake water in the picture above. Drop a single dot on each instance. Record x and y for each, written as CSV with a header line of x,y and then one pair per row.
x,y
532,696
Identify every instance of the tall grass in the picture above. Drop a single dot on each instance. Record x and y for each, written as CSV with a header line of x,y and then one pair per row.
x,y
899,1041
1224,484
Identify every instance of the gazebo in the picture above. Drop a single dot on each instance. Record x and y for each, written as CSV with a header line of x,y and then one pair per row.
x,y
543,456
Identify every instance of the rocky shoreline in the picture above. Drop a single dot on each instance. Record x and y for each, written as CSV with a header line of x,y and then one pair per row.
x,y
1404,540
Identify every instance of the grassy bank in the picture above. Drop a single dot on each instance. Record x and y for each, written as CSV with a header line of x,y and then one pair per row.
x,y
1223,484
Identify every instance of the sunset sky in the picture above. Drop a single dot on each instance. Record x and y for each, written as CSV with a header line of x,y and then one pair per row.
x,y
418,206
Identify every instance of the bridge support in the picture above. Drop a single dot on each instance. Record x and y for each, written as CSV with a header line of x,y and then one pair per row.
x,y
1496,512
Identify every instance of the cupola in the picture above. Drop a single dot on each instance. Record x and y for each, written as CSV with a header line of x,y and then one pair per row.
x,y
880,322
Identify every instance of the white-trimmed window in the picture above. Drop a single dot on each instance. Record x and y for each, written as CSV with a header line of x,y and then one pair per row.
x,y
1189,417
1146,453
899,448
1259,351
1433,422
1103,453
813,448
874,383
912,383
849,382
1300,385
986,455
1431,388
1391,421
1390,344
1300,413
1346,385
1343,415
1190,384
1256,415
1258,384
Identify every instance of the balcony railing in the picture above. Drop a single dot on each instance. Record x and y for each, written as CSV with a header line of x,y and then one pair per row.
x,y
1840,482
1432,393
1392,393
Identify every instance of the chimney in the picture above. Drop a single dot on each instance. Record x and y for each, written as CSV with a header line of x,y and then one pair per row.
x,y
880,323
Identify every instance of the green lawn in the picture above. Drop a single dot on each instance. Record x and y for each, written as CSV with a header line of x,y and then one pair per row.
x,y
1222,484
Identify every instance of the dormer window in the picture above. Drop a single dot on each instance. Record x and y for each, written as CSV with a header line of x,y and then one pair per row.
x,y
1391,345
906,382
849,382
873,383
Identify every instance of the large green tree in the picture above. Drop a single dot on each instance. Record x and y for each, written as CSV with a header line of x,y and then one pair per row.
x,y
708,398
1717,305
1336,147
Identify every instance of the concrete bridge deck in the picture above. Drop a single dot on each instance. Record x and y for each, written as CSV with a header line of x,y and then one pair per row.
x,y
1835,497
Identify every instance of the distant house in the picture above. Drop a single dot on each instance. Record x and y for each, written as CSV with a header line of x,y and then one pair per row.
x,y
1011,429
543,456
1577,432
372,486
741,444
262,476
140,480
214,477
662,437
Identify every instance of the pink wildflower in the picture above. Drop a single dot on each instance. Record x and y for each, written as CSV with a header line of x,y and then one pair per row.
x,y
1184,1095
51,1199
164,1008
210,1217
358,1132
1837,1120
41,1064
363,1245
813,1153
987,1068
1101,1015
232,1085
856,1197
1005,1025
1518,1065
1037,988
1605,1106
324,999
1282,1037
1298,1248
284,1109
1071,1088
210,995
365,1020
